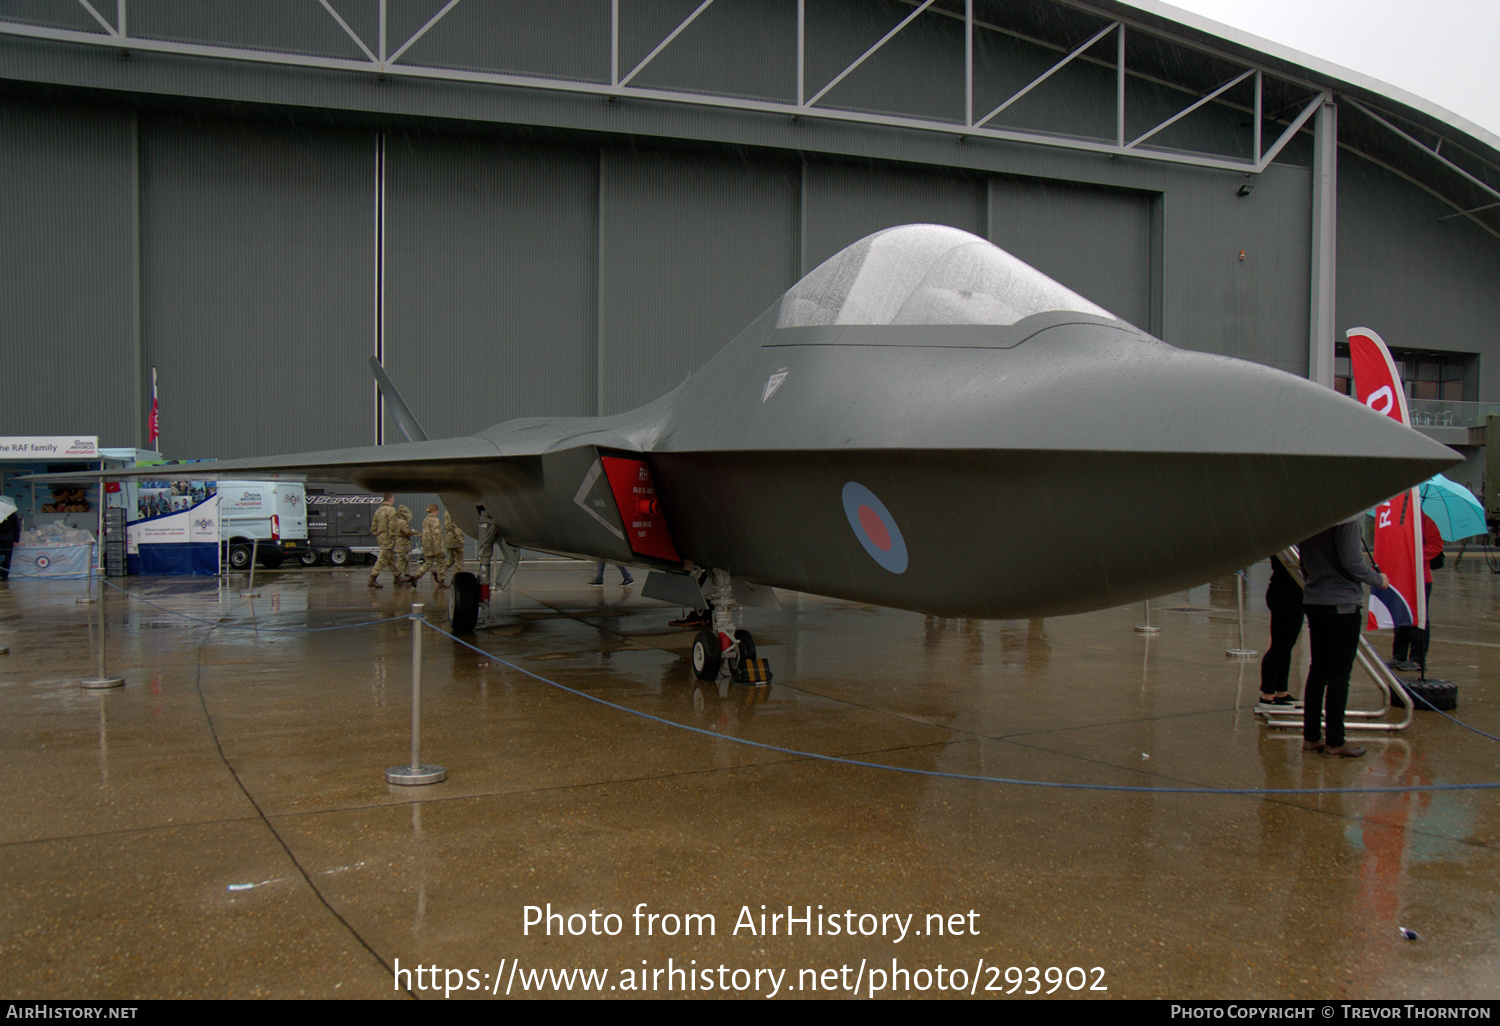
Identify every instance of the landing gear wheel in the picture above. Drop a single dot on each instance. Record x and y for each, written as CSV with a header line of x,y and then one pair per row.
x,y
1429,694
706,656
338,556
747,646
309,557
463,603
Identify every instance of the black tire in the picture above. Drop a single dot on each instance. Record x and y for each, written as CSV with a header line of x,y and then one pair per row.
x,y
746,645
463,603
338,557
239,557
271,558
706,656
309,557
1429,694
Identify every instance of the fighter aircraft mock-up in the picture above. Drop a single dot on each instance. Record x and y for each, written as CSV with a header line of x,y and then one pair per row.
x,y
923,422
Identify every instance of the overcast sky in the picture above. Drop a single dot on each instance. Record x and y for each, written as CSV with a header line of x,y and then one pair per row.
x,y
1445,51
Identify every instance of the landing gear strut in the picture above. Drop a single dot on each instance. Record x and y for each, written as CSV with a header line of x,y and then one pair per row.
x,y
724,645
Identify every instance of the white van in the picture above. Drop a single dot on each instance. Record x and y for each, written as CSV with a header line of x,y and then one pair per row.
x,y
266,517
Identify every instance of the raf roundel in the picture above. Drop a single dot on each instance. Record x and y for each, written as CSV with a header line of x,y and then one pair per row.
x,y
874,527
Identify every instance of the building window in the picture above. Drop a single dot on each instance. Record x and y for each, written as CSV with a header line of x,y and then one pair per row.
x,y
1449,377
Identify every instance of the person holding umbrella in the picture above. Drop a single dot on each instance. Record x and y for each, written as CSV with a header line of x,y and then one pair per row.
x,y
1409,648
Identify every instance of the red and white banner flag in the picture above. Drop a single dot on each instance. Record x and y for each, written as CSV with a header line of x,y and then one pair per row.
x,y
1398,520
153,422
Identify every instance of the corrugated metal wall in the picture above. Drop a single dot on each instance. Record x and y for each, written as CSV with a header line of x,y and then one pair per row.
x,y
1098,242
489,280
67,309
845,202
524,277
1421,282
691,249
257,247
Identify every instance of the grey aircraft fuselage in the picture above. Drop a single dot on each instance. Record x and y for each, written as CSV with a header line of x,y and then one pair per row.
x,y
1060,462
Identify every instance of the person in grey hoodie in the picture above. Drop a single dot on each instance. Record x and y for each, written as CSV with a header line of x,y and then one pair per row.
x,y
1335,571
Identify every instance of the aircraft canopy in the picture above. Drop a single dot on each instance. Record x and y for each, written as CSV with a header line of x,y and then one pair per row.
x,y
925,274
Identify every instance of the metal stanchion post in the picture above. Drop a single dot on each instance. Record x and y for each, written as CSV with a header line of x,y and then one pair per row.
x,y
1239,600
416,773
1146,628
98,553
103,680
254,556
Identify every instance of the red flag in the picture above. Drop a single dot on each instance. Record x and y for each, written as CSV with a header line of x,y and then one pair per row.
x,y
1398,520
153,424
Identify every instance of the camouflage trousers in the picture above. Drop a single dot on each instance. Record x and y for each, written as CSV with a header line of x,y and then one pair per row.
x,y
433,563
453,560
394,561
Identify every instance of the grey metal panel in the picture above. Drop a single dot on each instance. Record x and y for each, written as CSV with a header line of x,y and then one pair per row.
x,y
744,48
489,307
1095,241
50,12
290,26
846,202
1255,308
66,315
1420,282
257,285
519,36
691,249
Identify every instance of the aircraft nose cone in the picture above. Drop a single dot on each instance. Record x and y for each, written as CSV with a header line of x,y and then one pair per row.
x,y
1245,459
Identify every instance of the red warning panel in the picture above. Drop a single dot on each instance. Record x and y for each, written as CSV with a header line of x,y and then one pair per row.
x,y
640,510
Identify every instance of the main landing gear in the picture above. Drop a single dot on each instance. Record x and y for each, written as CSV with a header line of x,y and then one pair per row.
x,y
723,645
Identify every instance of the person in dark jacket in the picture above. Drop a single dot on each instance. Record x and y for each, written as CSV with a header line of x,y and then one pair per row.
x,y
1334,571
1284,600
10,533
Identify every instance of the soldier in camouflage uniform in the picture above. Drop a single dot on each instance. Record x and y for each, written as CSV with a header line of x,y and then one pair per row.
x,y
401,536
381,524
453,548
432,547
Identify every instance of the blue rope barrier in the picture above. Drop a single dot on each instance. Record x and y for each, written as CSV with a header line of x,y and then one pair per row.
x,y
861,763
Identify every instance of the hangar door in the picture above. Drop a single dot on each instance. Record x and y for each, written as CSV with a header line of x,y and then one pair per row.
x,y
1096,241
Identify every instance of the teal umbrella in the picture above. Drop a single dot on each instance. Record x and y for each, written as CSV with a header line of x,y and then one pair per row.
x,y
1453,508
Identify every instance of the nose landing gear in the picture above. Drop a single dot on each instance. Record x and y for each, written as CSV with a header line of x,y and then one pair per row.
x,y
723,645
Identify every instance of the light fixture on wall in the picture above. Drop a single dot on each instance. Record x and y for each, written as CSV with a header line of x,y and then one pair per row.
x,y
1244,189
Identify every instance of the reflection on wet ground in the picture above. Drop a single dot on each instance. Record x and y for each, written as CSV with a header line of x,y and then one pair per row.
x,y
220,826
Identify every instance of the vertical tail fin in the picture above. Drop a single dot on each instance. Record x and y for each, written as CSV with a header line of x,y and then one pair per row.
x,y
410,429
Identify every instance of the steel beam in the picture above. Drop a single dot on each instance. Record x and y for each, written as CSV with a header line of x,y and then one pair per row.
x,y
349,31
604,89
1053,70
666,42
393,58
1188,110
867,54
1264,161
99,17
1321,327
1434,154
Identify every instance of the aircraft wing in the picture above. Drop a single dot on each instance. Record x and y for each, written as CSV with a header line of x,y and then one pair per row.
x,y
440,465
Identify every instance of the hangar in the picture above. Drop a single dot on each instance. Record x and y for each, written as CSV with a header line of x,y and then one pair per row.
x,y
576,204
544,208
